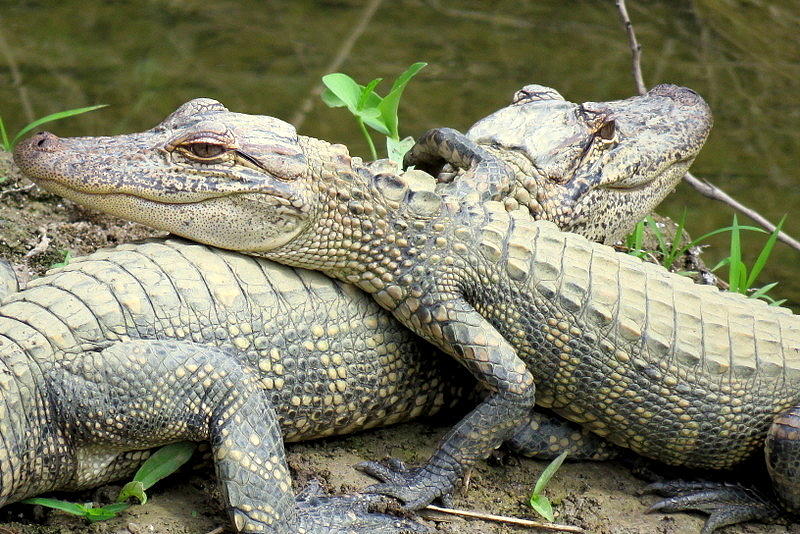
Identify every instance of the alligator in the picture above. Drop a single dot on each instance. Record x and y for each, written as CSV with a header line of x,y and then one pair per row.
x,y
595,168
698,384
674,371
128,303
152,343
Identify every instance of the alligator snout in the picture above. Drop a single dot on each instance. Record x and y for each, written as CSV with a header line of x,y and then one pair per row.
x,y
44,141
681,95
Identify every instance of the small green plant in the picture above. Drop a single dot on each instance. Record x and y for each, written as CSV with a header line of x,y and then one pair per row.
x,y
64,262
539,502
161,464
8,144
370,109
740,278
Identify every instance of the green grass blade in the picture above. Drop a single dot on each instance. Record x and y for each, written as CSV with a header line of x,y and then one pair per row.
x,y
723,262
763,256
548,473
164,462
64,506
762,291
635,239
4,137
676,247
53,117
776,302
391,102
704,237
737,274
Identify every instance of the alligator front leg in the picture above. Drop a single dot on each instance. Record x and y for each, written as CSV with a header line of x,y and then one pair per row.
x,y
475,343
149,393
488,176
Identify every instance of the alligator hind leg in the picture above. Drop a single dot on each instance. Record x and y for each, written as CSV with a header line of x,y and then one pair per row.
x,y
728,504
544,436
142,394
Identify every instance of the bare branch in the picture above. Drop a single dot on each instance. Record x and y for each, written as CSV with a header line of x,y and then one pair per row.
x,y
636,48
702,186
347,46
711,191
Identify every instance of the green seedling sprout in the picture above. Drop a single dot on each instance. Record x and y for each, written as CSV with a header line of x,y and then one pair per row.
x,y
161,464
64,262
539,502
370,109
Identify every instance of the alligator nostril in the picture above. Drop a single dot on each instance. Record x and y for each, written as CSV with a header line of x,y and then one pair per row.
x,y
45,140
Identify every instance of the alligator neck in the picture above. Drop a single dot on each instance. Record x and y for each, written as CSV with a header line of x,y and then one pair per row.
x,y
361,227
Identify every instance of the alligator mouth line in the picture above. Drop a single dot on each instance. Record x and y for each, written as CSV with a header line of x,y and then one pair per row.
x,y
45,182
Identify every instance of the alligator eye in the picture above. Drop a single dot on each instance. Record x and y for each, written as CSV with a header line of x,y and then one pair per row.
x,y
206,150
606,131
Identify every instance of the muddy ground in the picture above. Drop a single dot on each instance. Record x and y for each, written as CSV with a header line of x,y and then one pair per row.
x,y
35,231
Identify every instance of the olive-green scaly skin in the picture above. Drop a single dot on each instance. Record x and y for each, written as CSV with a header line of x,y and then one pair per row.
x,y
147,344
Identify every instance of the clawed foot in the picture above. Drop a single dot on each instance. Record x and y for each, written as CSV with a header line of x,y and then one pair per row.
x,y
416,487
726,504
347,514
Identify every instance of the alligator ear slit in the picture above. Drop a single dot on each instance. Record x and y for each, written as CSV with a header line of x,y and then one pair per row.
x,y
250,159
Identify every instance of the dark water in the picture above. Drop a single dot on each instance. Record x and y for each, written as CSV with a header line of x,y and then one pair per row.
x,y
144,58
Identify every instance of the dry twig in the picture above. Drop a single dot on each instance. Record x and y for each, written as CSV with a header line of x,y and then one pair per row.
x,y
347,46
17,190
506,519
701,186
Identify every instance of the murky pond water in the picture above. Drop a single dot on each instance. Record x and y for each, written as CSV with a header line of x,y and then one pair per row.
x,y
146,57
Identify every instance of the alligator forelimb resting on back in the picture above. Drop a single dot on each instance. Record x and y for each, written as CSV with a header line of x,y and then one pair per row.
x,y
674,371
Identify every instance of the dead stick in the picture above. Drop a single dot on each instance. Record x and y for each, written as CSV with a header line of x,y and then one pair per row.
x,y
636,48
302,112
506,519
701,186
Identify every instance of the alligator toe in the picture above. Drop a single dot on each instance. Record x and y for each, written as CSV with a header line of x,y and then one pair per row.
x,y
725,504
320,513
416,487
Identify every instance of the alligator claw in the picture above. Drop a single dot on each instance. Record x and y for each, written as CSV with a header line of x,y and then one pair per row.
x,y
726,504
347,514
416,487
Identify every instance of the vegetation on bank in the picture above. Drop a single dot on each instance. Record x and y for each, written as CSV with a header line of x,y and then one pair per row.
x,y
740,279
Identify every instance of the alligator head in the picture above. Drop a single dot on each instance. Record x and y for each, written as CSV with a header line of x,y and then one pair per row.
x,y
596,168
198,173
